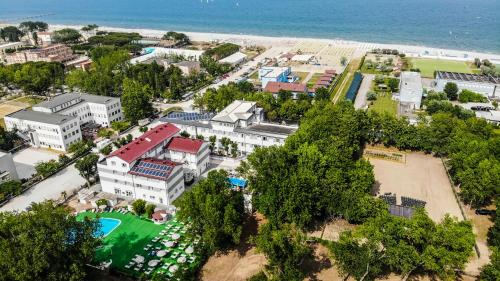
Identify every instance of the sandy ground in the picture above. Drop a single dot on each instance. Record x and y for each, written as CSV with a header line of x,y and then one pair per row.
x,y
421,177
358,47
364,88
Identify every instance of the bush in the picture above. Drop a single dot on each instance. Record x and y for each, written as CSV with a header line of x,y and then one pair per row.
x,y
371,96
150,209
45,169
120,126
470,96
105,133
185,134
10,188
101,202
139,207
143,129
106,150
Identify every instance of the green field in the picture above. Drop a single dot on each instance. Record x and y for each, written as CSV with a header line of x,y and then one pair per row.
x,y
428,66
130,238
301,75
313,79
384,103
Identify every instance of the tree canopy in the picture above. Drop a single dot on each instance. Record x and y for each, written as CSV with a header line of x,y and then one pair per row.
x,y
136,100
66,36
46,243
214,211
11,33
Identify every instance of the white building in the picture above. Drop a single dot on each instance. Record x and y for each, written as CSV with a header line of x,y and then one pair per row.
x,y
55,131
274,74
8,170
487,85
8,46
483,110
142,169
56,123
158,52
410,89
194,154
101,110
241,122
234,59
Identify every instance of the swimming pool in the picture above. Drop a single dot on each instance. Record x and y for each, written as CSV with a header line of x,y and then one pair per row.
x,y
106,226
148,50
237,182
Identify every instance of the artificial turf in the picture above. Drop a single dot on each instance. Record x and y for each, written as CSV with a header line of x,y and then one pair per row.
x,y
428,66
130,238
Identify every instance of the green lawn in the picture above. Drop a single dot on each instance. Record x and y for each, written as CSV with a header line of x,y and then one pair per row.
x,y
313,79
130,238
384,103
428,66
301,75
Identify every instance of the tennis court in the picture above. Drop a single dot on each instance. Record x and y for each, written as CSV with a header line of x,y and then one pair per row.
x,y
138,237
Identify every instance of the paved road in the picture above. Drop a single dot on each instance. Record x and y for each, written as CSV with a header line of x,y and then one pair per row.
x,y
66,180
364,88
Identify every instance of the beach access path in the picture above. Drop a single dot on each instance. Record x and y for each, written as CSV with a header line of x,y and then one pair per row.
x,y
361,101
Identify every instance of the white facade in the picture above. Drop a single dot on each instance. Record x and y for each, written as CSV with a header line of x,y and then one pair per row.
x,y
196,161
54,131
487,85
159,52
116,179
88,108
274,74
241,122
234,59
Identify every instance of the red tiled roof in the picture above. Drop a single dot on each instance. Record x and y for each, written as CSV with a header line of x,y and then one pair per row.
x,y
275,87
323,83
184,145
331,71
135,149
159,215
329,79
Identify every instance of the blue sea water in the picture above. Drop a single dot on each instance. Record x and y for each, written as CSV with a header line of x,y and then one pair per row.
x,y
457,24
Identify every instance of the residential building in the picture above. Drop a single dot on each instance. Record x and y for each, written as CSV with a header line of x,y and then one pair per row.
x,y
9,46
234,59
294,88
484,110
159,52
55,131
44,38
56,123
194,154
274,74
487,85
241,122
101,110
51,53
410,90
141,170
8,170
188,67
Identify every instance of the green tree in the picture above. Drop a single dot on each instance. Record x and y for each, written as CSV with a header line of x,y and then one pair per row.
x,y
213,141
185,134
322,94
46,243
87,167
66,36
136,101
106,150
45,169
285,249
38,77
11,33
491,271
393,84
451,91
139,207
214,211
149,210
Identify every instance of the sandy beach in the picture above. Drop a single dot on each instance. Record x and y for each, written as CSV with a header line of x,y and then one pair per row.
x,y
361,47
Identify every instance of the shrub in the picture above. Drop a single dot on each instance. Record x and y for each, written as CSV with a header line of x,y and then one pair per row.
x,y
150,209
120,126
106,150
139,207
371,96
101,202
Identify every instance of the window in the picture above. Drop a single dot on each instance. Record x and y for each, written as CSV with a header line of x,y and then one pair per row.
x,y
117,191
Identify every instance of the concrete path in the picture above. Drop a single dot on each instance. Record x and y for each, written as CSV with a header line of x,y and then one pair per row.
x,y
364,88
66,180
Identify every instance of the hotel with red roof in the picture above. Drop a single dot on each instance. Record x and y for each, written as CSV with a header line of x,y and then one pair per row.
x,y
152,167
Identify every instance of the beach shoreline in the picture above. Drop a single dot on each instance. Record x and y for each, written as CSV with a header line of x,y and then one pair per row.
x,y
269,41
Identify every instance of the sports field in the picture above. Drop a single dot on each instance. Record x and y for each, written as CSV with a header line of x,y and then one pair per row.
x,y
131,237
428,66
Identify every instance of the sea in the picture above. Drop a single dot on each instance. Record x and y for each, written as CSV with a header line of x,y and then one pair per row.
x,y
472,25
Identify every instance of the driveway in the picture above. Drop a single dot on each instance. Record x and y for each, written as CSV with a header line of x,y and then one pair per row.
x,y
66,180
360,101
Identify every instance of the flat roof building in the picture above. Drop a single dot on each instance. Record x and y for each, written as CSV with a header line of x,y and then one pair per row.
x,y
274,74
234,59
410,89
487,85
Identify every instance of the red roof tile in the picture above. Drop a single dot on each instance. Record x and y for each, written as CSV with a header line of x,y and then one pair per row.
x,y
135,149
275,87
184,145
331,71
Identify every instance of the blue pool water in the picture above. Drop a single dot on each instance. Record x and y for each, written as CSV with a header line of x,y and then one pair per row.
x,y
148,50
237,182
106,226
457,24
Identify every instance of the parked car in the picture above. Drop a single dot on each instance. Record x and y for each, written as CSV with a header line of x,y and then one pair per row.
x,y
485,212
